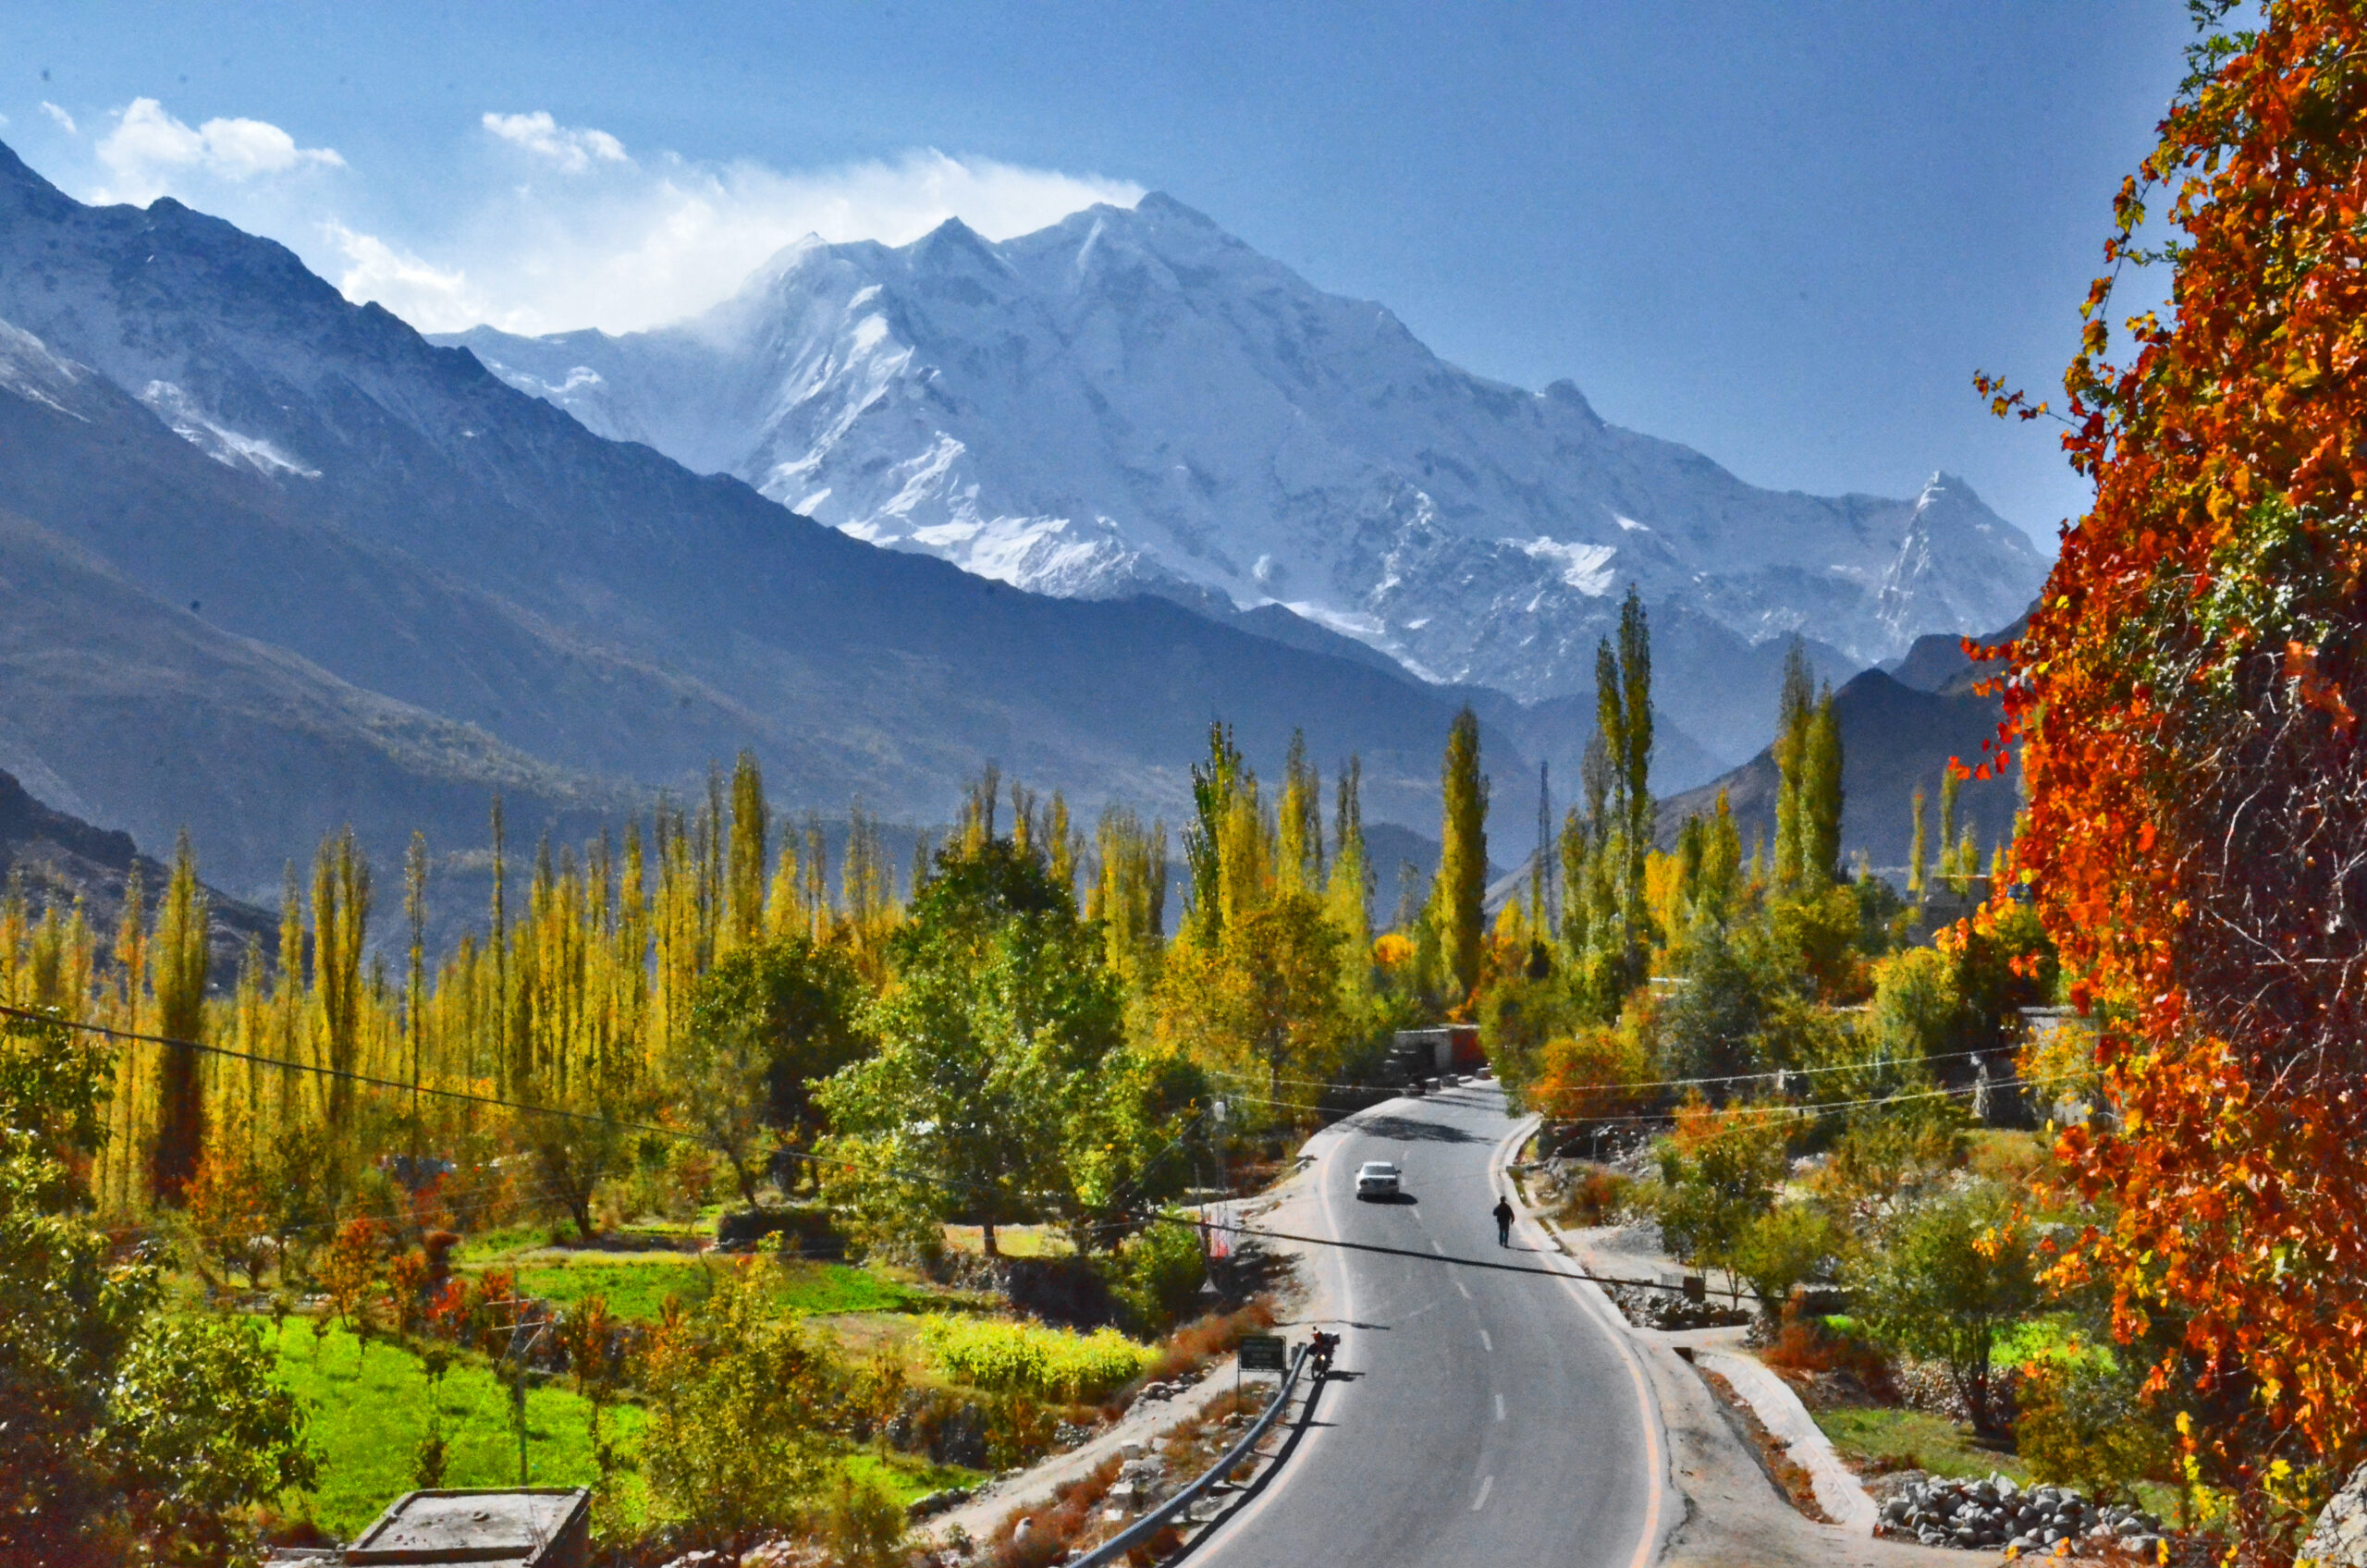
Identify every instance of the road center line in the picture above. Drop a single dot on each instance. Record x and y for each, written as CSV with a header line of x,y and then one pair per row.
x,y
1486,1343
1436,1248
1487,1485
1500,1407
1464,1289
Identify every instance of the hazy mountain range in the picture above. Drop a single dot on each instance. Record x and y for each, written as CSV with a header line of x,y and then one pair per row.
x,y
271,562
276,562
1134,400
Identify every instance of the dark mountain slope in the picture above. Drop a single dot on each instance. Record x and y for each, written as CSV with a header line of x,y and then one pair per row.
x,y
55,860
851,669
1893,737
157,721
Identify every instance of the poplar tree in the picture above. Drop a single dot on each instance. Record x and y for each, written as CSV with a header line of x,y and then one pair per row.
x,y
1214,784
1819,795
415,971
744,918
1795,707
1463,855
1348,891
1949,784
287,1000
131,957
1298,853
1128,893
178,961
1634,756
1919,850
341,931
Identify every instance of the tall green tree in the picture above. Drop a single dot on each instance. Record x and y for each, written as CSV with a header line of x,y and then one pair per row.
x,y
1348,891
132,1434
743,886
1918,853
1794,706
768,1023
1128,894
1216,783
1821,796
1299,859
340,936
1000,1015
1463,856
178,958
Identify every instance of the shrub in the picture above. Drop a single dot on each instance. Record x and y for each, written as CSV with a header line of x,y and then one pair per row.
x,y
739,1398
2083,1421
1204,1339
863,1526
1029,1358
1157,1276
1955,1272
1784,1247
1596,1199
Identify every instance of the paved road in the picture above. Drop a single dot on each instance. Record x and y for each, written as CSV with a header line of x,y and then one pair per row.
x,y
1489,1416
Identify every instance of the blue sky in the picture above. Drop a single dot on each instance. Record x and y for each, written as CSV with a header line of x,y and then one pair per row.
x,y
1785,234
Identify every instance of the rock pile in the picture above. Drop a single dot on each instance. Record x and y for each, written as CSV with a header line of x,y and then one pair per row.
x,y
2340,1538
1668,1309
1995,1513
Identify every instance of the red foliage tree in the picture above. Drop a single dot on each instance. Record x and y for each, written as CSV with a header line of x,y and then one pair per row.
x,y
2188,694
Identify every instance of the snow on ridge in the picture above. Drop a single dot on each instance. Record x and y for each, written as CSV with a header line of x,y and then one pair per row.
x,y
218,441
1133,398
1585,568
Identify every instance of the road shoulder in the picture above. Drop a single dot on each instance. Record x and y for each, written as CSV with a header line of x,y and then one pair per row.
x,y
1731,1515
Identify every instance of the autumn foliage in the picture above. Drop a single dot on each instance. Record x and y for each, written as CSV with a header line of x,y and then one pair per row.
x,y
2188,694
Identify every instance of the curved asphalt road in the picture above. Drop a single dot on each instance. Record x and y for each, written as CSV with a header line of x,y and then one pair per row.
x,y
1487,1417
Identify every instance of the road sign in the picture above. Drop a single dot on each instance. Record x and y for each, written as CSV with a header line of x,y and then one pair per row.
x,y
1262,1352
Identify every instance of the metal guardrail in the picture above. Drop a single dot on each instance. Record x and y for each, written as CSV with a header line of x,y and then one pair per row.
x,y
1149,1524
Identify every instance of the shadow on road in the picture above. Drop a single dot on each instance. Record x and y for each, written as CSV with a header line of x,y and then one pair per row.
x,y
1385,1198
1405,1130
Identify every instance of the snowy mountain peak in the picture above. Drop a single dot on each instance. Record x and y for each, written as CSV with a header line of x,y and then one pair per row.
x,y
1133,398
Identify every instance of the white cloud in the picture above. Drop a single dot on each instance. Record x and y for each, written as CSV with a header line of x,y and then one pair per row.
x,y
65,121
415,289
571,148
149,149
639,247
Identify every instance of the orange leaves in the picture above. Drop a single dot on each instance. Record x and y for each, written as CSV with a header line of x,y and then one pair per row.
x,y
2315,691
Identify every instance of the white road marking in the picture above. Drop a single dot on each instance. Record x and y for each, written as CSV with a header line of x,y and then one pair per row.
x,y
1500,1407
1464,1289
1487,1485
1597,1306
1436,1248
1486,1343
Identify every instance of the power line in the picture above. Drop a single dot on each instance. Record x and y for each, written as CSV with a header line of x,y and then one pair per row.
x,y
1254,1234
1658,1083
465,1096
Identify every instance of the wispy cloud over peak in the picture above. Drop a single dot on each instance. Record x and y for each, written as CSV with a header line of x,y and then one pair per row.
x,y
65,121
148,150
666,238
573,148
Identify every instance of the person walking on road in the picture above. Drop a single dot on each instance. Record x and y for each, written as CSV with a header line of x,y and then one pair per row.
x,y
1504,1223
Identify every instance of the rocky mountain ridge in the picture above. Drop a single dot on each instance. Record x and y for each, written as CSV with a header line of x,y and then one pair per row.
x,y
1133,398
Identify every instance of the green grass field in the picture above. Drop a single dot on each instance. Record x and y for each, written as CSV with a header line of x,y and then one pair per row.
x,y
1903,1438
368,1410
637,1285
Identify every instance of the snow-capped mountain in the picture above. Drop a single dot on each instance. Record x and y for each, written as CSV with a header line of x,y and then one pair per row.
x,y
271,563
1135,398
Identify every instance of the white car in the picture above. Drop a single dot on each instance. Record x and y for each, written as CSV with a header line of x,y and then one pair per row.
x,y
1376,1179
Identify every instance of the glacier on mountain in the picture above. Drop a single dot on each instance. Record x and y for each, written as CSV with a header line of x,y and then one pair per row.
x,y
1132,399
